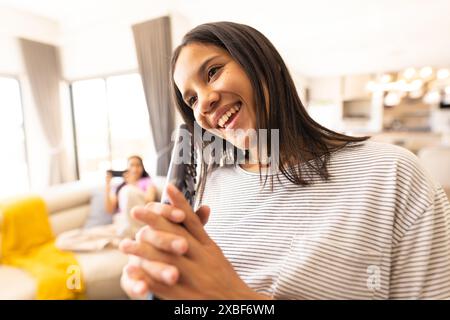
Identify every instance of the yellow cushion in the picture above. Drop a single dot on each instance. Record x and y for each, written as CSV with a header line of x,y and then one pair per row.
x,y
28,243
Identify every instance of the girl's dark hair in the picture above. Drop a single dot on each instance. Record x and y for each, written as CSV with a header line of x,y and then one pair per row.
x,y
302,140
144,172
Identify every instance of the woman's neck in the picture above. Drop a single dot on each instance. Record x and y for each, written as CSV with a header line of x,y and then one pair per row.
x,y
255,163
250,167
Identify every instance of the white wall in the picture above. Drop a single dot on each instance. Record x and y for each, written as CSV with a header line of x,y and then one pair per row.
x,y
15,24
107,46
98,51
10,61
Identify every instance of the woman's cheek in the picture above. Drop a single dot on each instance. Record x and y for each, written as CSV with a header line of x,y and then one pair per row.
x,y
203,124
201,120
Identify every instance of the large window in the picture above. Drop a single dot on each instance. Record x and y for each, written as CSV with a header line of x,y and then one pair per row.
x,y
13,160
111,123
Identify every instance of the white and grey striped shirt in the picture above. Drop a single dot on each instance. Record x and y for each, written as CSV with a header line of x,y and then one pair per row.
x,y
378,229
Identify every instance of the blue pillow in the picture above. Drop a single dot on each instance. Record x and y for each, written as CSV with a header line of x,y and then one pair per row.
x,y
98,215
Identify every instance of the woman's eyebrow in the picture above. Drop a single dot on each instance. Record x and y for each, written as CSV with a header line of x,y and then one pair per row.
x,y
201,70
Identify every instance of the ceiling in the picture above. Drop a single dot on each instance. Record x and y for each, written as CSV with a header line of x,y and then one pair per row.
x,y
316,38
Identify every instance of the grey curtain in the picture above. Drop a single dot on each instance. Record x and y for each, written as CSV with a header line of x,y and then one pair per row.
x,y
154,47
44,73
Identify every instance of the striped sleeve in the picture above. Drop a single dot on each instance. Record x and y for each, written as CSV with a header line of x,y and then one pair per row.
x,y
420,259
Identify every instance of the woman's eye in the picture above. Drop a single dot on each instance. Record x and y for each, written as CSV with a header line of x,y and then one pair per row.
x,y
191,101
212,72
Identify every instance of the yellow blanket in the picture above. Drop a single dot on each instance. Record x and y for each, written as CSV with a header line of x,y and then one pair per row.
x,y
28,243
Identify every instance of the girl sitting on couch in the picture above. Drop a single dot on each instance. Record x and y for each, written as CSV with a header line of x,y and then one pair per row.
x,y
136,190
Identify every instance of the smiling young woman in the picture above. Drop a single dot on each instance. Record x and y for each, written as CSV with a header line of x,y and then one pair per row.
x,y
345,218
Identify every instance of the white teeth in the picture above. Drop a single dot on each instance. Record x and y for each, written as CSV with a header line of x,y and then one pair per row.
x,y
228,114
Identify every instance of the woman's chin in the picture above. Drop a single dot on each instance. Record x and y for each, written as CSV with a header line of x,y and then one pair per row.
x,y
242,143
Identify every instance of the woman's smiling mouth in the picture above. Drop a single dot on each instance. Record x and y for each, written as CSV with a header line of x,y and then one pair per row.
x,y
228,118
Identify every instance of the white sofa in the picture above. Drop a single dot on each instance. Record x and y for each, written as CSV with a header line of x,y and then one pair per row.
x,y
69,207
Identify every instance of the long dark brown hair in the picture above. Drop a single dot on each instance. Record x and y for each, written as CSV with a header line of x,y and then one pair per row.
x,y
302,140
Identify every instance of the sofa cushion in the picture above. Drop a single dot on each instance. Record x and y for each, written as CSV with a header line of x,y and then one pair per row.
x,y
16,284
67,195
69,219
97,213
101,272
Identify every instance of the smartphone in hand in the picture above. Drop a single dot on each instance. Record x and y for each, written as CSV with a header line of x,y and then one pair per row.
x,y
117,173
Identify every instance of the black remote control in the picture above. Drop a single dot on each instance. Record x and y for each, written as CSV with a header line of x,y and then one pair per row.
x,y
182,170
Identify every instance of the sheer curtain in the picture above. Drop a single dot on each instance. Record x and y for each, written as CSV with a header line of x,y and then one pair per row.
x,y
44,73
153,48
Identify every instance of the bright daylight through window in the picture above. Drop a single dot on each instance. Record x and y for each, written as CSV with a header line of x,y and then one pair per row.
x,y
12,139
112,123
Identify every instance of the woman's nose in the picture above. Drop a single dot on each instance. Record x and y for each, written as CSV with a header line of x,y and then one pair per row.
x,y
207,101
